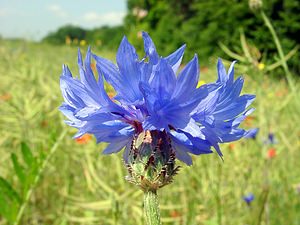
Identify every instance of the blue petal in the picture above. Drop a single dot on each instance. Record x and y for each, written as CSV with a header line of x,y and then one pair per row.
x,y
206,106
109,70
88,79
164,80
213,138
222,75
116,146
229,93
235,108
120,83
231,72
76,94
66,71
187,80
181,150
129,67
235,134
252,133
194,145
68,111
175,58
193,129
150,49
147,71
184,144
106,131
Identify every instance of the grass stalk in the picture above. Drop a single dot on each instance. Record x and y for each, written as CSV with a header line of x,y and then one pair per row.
x,y
279,49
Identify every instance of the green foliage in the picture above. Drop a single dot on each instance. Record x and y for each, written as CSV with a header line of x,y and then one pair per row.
x,y
70,31
108,37
203,24
11,199
104,37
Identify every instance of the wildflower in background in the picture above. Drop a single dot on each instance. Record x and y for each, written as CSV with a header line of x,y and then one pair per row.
x,y
175,214
249,121
231,146
5,97
75,41
82,43
281,93
261,66
271,140
248,198
68,40
84,139
271,153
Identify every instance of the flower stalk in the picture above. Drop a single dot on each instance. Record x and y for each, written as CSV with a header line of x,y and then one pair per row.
x,y
151,208
279,49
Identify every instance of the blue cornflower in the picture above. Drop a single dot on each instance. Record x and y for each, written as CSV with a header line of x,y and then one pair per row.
x,y
248,198
271,140
150,97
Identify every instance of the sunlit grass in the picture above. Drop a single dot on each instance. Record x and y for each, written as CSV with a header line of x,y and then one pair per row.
x,y
81,186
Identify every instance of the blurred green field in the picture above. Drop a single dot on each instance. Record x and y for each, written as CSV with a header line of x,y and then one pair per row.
x,y
79,185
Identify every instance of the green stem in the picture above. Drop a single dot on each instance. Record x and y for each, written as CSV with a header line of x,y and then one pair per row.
x,y
37,178
151,208
279,49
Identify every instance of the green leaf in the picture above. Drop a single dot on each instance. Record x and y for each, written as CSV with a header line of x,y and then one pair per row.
x,y
27,154
18,168
3,205
8,191
8,208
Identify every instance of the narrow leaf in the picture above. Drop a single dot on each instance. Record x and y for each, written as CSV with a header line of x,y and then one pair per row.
x,y
8,191
27,154
18,168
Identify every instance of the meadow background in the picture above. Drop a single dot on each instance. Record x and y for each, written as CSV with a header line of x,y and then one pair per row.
x,y
46,177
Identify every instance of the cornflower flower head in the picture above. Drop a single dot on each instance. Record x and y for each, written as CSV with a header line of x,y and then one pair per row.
x,y
156,115
271,140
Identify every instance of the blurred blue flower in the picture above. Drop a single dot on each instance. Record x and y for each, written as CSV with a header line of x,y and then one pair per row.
x,y
271,140
248,198
151,97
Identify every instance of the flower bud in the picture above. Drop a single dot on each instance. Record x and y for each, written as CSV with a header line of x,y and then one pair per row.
x,y
151,161
255,4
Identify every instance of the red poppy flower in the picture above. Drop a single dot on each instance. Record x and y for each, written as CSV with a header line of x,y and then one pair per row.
x,y
271,153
